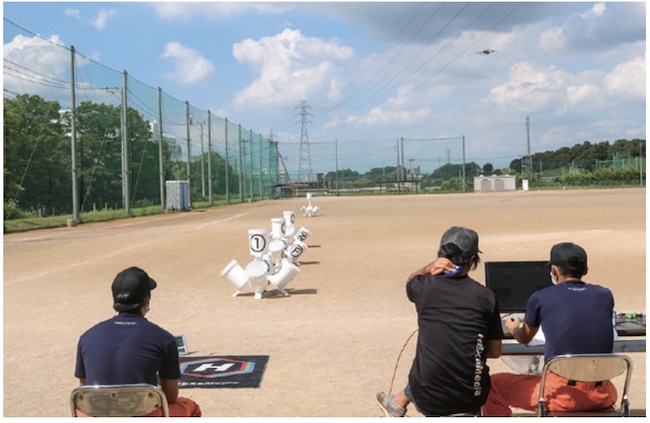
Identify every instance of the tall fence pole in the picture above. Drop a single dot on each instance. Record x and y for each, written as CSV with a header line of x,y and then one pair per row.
x,y
241,172
209,157
188,122
227,162
73,143
126,162
160,149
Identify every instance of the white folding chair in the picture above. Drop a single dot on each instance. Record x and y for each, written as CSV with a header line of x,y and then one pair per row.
x,y
588,368
118,400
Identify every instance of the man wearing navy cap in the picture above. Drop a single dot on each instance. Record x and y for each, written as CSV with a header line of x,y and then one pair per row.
x,y
577,319
128,349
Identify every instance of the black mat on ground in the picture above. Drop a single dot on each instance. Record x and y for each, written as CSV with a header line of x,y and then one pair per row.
x,y
226,371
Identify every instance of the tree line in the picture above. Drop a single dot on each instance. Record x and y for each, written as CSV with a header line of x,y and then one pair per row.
x,y
38,159
619,162
38,176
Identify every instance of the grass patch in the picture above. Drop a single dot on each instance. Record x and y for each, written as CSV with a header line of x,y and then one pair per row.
x,y
34,223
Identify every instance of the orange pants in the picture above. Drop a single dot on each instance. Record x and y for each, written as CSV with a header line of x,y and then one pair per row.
x,y
522,391
183,407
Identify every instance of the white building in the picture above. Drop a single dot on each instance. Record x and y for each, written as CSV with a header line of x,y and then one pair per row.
x,y
494,183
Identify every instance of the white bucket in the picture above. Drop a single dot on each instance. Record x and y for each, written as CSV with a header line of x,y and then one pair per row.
x,y
256,271
277,228
286,271
276,247
288,229
296,249
258,242
235,274
302,234
289,217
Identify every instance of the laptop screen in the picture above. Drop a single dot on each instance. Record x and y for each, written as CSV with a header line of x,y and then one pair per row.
x,y
513,282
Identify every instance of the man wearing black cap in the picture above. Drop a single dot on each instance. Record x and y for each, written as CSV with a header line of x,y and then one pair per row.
x,y
459,328
577,319
128,349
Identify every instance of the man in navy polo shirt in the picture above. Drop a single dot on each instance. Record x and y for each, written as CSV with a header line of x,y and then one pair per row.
x,y
577,319
128,349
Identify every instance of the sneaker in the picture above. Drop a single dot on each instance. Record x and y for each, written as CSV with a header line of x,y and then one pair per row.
x,y
387,404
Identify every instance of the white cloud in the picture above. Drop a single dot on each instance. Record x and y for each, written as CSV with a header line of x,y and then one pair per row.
x,y
530,88
75,13
599,29
99,22
190,66
580,95
628,80
32,63
186,11
289,67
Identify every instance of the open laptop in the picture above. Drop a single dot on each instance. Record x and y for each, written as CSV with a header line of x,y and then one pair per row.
x,y
513,282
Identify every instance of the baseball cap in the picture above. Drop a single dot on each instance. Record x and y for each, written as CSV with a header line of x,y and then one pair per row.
x,y
131,285
464,238
568,255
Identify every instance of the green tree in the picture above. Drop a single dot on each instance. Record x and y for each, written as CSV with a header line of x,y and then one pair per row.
x,y
99,149
37,171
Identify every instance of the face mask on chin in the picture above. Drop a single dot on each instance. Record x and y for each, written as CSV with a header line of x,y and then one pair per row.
x,y
553,279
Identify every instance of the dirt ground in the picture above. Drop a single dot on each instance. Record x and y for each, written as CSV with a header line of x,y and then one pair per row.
x,y
335,341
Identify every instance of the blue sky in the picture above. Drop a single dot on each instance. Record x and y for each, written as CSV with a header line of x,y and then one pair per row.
x,y
373,73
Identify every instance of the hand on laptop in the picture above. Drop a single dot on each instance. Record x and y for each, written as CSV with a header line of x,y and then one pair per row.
x,y
511,323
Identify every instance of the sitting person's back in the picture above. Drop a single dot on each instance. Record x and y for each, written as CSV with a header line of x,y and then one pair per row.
x,y
128,349
459,329
577,319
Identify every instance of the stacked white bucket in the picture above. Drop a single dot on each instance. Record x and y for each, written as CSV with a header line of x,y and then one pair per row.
x,y
309,210
275,257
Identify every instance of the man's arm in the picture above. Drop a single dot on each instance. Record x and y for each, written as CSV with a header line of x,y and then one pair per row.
x,y
493,348
436,267
522,333
82,381
170,388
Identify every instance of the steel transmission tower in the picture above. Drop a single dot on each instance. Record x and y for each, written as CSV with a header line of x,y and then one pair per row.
x,y
304,165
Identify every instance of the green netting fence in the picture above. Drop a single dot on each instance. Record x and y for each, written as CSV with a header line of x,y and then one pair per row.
x,y
80,136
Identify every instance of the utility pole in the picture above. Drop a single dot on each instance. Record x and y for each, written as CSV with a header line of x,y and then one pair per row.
x,y
397,169
529,159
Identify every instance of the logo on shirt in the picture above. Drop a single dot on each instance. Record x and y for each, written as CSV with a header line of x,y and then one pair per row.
x,y
478,365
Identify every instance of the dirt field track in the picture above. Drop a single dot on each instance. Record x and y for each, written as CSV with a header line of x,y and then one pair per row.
x,y
335,340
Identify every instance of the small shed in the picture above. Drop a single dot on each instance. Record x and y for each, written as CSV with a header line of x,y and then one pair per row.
x,y
178,195
494,183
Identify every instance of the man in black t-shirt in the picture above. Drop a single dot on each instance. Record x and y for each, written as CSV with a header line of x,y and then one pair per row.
x,y
459,328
